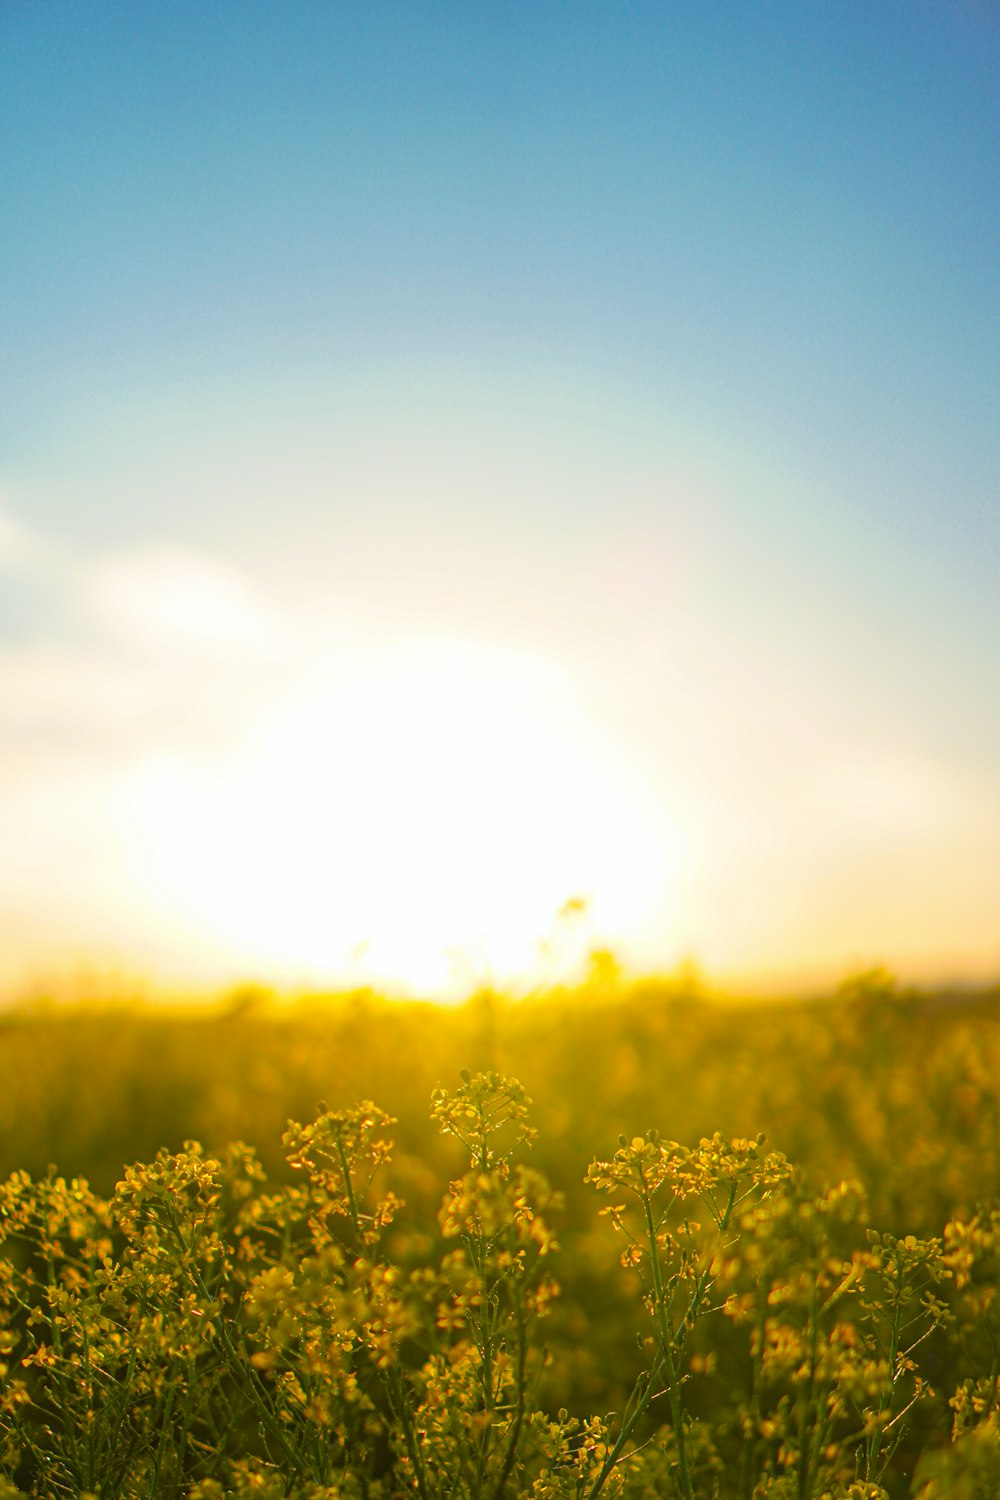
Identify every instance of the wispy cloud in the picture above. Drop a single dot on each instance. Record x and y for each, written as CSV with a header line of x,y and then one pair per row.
x,y
174,601
108,660
15,543
123,644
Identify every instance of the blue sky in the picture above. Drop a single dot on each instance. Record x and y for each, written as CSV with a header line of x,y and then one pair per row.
x,y
615,381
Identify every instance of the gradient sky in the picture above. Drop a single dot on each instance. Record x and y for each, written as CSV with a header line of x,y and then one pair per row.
x,y
455,458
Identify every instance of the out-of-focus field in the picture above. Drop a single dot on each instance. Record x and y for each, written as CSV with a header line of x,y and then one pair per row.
x,y
895,1089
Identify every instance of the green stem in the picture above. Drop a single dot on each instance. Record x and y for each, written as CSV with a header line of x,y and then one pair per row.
x,y
514,1433
352,1203
240,1368
667,1343
874,1445
749,1476
642,1394
398,1403
806,1413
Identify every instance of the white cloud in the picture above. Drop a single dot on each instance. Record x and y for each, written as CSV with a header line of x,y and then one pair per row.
x,y
49,688
117,652
160,597
22,550
885,795
9,540
114,658
169,599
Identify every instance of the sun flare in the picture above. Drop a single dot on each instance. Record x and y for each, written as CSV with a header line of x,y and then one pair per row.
x,y
417,821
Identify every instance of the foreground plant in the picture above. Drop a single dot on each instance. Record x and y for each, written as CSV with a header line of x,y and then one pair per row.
x,y
659,1186
202,1335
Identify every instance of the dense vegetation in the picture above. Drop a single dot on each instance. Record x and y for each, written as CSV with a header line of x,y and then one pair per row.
x,y
698,1250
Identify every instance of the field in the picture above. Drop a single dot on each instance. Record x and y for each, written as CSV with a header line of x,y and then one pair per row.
x,y
625,1241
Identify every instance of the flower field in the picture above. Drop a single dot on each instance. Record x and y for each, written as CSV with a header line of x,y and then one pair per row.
x,y
612,1241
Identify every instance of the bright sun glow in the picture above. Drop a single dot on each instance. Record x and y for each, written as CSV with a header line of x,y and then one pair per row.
x,y
416,822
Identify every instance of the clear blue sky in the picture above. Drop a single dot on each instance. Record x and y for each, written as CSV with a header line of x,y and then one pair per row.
x,y
655,347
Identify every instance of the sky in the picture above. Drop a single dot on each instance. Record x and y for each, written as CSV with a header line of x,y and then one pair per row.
x,y
481,483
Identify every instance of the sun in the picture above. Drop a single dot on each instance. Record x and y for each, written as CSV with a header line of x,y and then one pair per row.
x,y
412,819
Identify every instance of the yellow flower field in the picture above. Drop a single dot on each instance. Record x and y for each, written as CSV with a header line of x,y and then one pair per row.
x,y
621,1241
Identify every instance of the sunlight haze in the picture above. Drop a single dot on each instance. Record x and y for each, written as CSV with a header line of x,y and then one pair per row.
x,y
480,485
